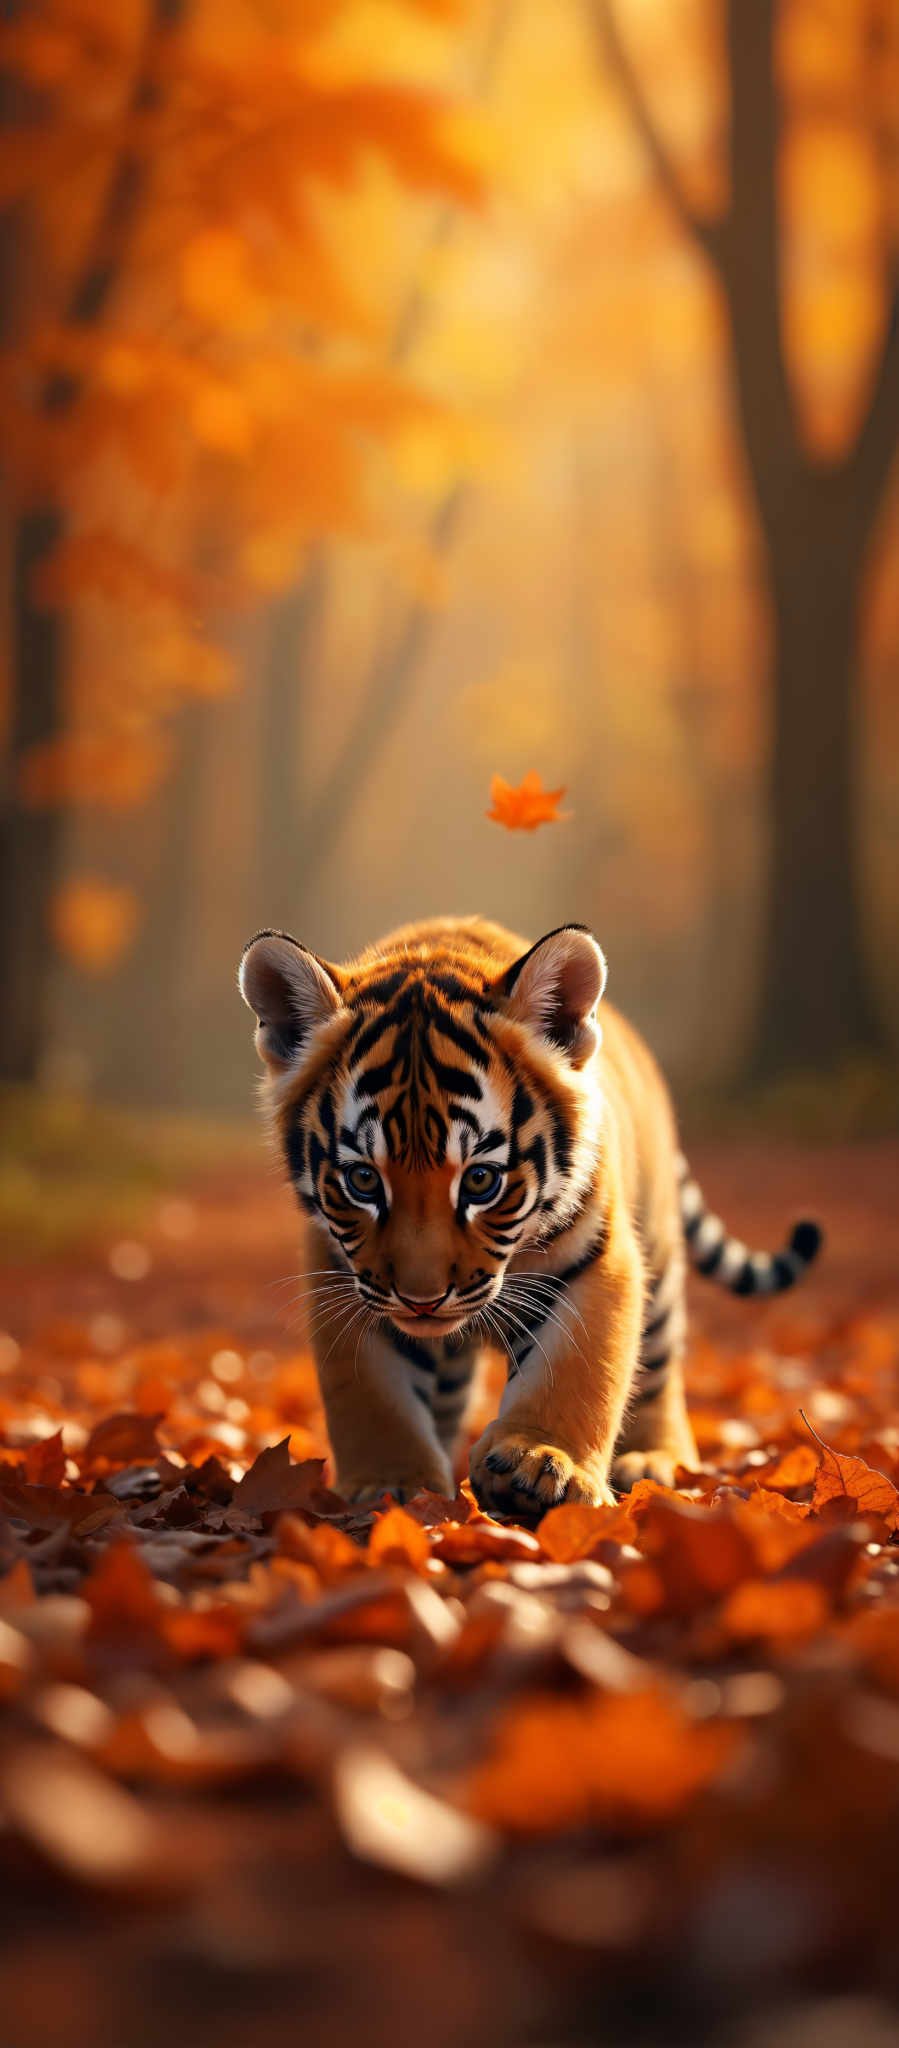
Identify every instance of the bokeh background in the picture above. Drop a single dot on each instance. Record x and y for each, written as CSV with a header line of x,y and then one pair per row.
x,y
397,392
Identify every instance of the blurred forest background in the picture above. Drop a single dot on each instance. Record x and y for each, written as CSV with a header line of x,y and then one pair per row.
x,y
399,391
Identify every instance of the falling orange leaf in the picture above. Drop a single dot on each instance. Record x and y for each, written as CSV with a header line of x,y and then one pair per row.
x,y
524,808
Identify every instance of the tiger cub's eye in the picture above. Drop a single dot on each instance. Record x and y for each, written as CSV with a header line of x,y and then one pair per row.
x,y
481,1183
361,1181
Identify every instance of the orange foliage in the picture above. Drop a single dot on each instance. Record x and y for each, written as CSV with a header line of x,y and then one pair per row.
x,y
94,922
198,383
113,770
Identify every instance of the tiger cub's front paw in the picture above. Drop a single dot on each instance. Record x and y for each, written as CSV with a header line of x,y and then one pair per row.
x,y
520,1478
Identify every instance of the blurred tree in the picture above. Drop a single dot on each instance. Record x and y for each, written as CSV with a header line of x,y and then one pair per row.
x,y
196,380
817,512
29,836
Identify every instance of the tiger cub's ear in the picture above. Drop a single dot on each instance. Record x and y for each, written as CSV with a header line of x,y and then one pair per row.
x,y
555,989
291,991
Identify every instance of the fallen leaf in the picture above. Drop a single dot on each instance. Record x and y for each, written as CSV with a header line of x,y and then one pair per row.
x,y
274,1483
45,1507
16,1660
45,1462
865,1491
575,1530
775,1611
397,1539
386,1819
89,1829
797,1468
122,1597
196,1633
874,1634
620,1759
17,1587
365,1676
123,1439
698,1551
330,1551
472,1542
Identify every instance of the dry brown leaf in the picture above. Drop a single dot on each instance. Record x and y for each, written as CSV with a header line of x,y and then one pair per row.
x,y
45,1462
575,1530
124,1439
274,1484
697,1551
857,1485
398,1539
472,1542
775,1611
16,1660
388,1820
87,1828
123,1598
797,1467
631,1760
331,1552
17,1588
365,1676
46,1507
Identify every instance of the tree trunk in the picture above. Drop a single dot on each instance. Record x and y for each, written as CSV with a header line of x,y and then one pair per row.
x,y
29,838
814,1005
818,520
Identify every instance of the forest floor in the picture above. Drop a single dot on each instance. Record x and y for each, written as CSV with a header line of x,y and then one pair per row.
x,y
274,1771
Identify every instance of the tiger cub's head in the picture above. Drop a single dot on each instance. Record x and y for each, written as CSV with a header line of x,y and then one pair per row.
x,y
434,1108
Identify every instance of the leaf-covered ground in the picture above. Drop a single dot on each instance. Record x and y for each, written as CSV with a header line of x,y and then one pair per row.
x,y
272,1771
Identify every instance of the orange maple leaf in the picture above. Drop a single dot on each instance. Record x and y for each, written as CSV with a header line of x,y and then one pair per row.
x,y
524,808
852,1480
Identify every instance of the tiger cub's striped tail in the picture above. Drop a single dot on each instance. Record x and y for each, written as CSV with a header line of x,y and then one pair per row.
x,y
721,1257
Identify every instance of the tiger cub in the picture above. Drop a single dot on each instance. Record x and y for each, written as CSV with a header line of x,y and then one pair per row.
x,y
482,1166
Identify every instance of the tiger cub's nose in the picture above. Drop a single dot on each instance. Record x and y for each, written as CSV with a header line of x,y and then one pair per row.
x,y
419,1307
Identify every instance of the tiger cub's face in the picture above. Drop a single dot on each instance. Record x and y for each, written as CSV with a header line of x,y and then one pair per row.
x,y
434,1119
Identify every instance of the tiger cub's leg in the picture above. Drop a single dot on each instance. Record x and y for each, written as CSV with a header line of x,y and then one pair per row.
x,y
378,1400
560,1416
451,1387
656,1435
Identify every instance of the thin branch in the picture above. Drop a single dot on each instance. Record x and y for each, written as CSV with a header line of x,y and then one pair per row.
x,y
707,232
